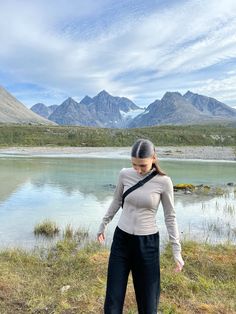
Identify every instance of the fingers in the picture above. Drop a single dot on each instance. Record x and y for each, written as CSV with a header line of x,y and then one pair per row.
x,y
178,267
101,238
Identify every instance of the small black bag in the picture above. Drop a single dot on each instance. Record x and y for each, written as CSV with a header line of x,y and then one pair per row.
x,y
137,185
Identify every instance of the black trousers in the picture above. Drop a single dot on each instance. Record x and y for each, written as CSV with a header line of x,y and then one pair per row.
x,y
140,255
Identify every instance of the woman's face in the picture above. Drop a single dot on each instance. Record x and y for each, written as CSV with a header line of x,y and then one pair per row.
x,y
143,165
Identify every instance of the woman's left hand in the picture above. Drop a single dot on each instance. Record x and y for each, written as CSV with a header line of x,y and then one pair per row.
x,y
178,267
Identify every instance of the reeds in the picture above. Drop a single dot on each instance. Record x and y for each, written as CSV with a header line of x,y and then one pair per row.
x,y
49,229
46,228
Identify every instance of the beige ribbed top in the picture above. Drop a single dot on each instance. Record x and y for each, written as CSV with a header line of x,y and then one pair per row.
x,y
140,207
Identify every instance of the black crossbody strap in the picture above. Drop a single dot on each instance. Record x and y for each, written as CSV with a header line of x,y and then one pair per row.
x,y
137,185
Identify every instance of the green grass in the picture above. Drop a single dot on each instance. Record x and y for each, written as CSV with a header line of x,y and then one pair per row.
x,y
68,279
27,135
46,228
50,229
77,234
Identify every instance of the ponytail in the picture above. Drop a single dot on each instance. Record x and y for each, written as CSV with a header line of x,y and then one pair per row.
x,y
158,168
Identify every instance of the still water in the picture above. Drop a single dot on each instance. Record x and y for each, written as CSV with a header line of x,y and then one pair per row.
x,y
78,191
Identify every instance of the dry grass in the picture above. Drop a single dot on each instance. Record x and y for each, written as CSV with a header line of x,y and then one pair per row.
x,y
67,279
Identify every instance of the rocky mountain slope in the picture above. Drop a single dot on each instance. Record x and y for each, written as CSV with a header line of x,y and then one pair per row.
x,y
105,110
43,110
13,111
191,108
71,112
209,105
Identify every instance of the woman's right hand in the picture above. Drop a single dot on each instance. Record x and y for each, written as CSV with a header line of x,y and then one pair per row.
x,y
101,237
178,267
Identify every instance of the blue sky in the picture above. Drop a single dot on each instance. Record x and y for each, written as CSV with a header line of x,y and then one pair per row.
x,y
51,50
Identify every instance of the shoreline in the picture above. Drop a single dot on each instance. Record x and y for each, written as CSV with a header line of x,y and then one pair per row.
x,y
164,152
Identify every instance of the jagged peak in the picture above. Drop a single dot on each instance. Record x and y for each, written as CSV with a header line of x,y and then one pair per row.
x,y
86,100
189,93
171,94
69,101
103,93
39,105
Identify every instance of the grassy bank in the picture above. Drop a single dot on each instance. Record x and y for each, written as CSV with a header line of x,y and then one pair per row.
x,y
214,135
66,280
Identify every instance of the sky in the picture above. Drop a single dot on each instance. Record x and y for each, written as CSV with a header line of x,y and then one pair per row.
x,y
51,50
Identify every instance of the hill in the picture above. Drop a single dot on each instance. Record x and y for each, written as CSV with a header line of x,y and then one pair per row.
x,y
13,111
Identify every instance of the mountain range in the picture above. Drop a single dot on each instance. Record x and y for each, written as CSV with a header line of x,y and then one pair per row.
x,y
190,108
105,110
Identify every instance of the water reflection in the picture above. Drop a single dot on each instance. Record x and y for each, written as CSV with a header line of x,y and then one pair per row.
x,y
78,191
91,176
97,176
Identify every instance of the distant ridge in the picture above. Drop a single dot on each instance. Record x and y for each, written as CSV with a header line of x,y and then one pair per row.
x,y
175,109
43,110
209,105
71,112
13,111
105,110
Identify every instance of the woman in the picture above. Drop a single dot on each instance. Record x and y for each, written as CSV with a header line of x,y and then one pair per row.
x,y
135,245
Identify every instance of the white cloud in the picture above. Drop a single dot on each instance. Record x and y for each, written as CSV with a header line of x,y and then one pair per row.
x,y
82,47
222,89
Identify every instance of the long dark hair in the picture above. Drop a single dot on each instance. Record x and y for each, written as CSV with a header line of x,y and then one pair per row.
x,y
143,148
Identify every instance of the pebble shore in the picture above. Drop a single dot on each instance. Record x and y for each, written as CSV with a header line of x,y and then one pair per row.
x,y
167,152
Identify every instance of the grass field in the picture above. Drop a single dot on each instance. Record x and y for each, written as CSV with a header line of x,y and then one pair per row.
x,y
28,135
68,279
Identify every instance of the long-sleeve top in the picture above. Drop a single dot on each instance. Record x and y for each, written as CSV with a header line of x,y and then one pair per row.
x,y
141,205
